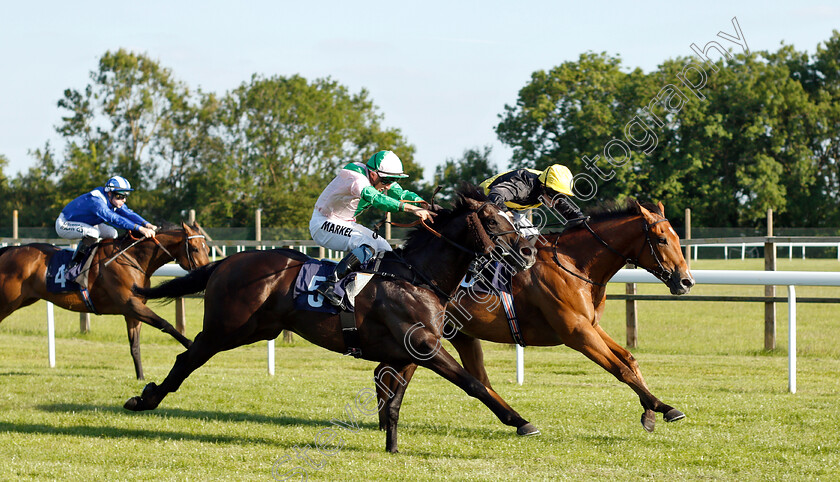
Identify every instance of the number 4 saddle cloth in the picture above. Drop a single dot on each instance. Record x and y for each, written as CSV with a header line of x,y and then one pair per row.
x,y
57,282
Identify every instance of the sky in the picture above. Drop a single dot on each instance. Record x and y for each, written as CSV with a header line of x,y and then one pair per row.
x,y
441,72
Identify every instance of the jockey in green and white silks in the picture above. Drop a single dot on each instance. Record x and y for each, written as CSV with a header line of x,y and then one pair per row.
x,y
357,187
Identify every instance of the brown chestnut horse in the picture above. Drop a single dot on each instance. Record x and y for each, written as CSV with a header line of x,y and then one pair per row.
x,y
118,265
560,300
249,297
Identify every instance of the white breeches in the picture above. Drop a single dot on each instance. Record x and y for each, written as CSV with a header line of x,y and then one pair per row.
x,y
76,230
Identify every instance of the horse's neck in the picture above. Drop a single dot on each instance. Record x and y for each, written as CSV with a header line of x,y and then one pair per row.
x,y
595,260
443,264
149,255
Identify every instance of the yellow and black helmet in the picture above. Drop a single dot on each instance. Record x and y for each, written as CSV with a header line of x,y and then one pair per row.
x,y
557,178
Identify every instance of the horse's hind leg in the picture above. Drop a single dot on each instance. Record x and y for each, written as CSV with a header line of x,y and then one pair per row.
x,y
185,363
133,327
472,356
670,413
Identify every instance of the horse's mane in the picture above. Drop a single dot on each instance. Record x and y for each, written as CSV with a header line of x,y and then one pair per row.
x,y
420,236
614,210
609,210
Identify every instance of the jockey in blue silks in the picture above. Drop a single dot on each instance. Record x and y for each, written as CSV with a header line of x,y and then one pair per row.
x,y
94,216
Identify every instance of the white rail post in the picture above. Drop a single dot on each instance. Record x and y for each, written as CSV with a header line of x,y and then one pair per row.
x,y
688,236
792,338
520,364
51,333
271,357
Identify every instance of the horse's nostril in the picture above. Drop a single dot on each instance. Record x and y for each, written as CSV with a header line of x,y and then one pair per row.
x,y
687,282
526,252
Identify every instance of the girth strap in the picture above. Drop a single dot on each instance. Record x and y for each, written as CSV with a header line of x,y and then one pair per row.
x,y
350,333
88,301
513,321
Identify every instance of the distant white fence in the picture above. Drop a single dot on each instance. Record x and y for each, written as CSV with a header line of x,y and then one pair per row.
x,y
791,279
741,248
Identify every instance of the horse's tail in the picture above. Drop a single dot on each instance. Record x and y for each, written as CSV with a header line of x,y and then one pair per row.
x,y
193,282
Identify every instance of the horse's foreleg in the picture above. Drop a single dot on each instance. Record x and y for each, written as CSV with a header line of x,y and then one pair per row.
x,y
137,309
442,363
185,363
588,341
390,391
670,413
133,327
387,389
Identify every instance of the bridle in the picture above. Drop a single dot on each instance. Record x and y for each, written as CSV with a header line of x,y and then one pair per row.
x,y
660,272
191,264
474,254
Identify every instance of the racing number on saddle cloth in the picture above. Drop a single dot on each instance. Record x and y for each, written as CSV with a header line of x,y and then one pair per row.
x,y
57,281
315,299
59,278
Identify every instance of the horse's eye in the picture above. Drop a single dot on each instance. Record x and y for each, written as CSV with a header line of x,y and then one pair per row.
x,y
662,240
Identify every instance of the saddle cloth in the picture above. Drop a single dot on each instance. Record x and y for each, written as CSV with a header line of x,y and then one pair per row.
x,y
56,280
312,274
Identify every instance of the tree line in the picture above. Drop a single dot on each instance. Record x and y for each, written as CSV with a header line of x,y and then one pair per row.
x,y
763,132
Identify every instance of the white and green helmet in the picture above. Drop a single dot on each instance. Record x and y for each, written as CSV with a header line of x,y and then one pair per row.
x,y
387,165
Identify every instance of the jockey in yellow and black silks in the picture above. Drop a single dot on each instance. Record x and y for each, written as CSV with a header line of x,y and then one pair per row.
x,y
521,190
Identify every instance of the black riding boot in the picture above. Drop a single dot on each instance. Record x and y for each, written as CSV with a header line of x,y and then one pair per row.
x,y
347,265
74,268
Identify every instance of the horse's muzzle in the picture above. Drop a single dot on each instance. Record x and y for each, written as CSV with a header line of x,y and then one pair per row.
x,y
680,283
519,257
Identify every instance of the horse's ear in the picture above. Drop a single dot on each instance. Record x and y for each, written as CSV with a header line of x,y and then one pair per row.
x,y
184,225
662,209
649,216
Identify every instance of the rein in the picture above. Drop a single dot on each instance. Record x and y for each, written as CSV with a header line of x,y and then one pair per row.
x,y
190,262
424,278
660,272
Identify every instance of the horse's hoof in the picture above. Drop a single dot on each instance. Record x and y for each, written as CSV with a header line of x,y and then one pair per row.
x,y
135,404
527,429
649,420
673,415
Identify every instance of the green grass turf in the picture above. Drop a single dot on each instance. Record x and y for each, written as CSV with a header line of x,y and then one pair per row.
x,y
232,421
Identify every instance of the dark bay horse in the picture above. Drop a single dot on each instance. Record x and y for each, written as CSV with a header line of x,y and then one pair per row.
x,y
560,300
248,298
23,278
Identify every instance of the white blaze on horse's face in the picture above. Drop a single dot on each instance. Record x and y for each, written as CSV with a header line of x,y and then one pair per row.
x,y
670,228
507,216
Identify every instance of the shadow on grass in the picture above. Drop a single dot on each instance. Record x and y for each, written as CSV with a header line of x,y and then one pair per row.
x,y
100,431
202,415
419,428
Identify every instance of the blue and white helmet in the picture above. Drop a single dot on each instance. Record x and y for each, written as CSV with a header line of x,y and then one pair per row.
x,y
118,184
